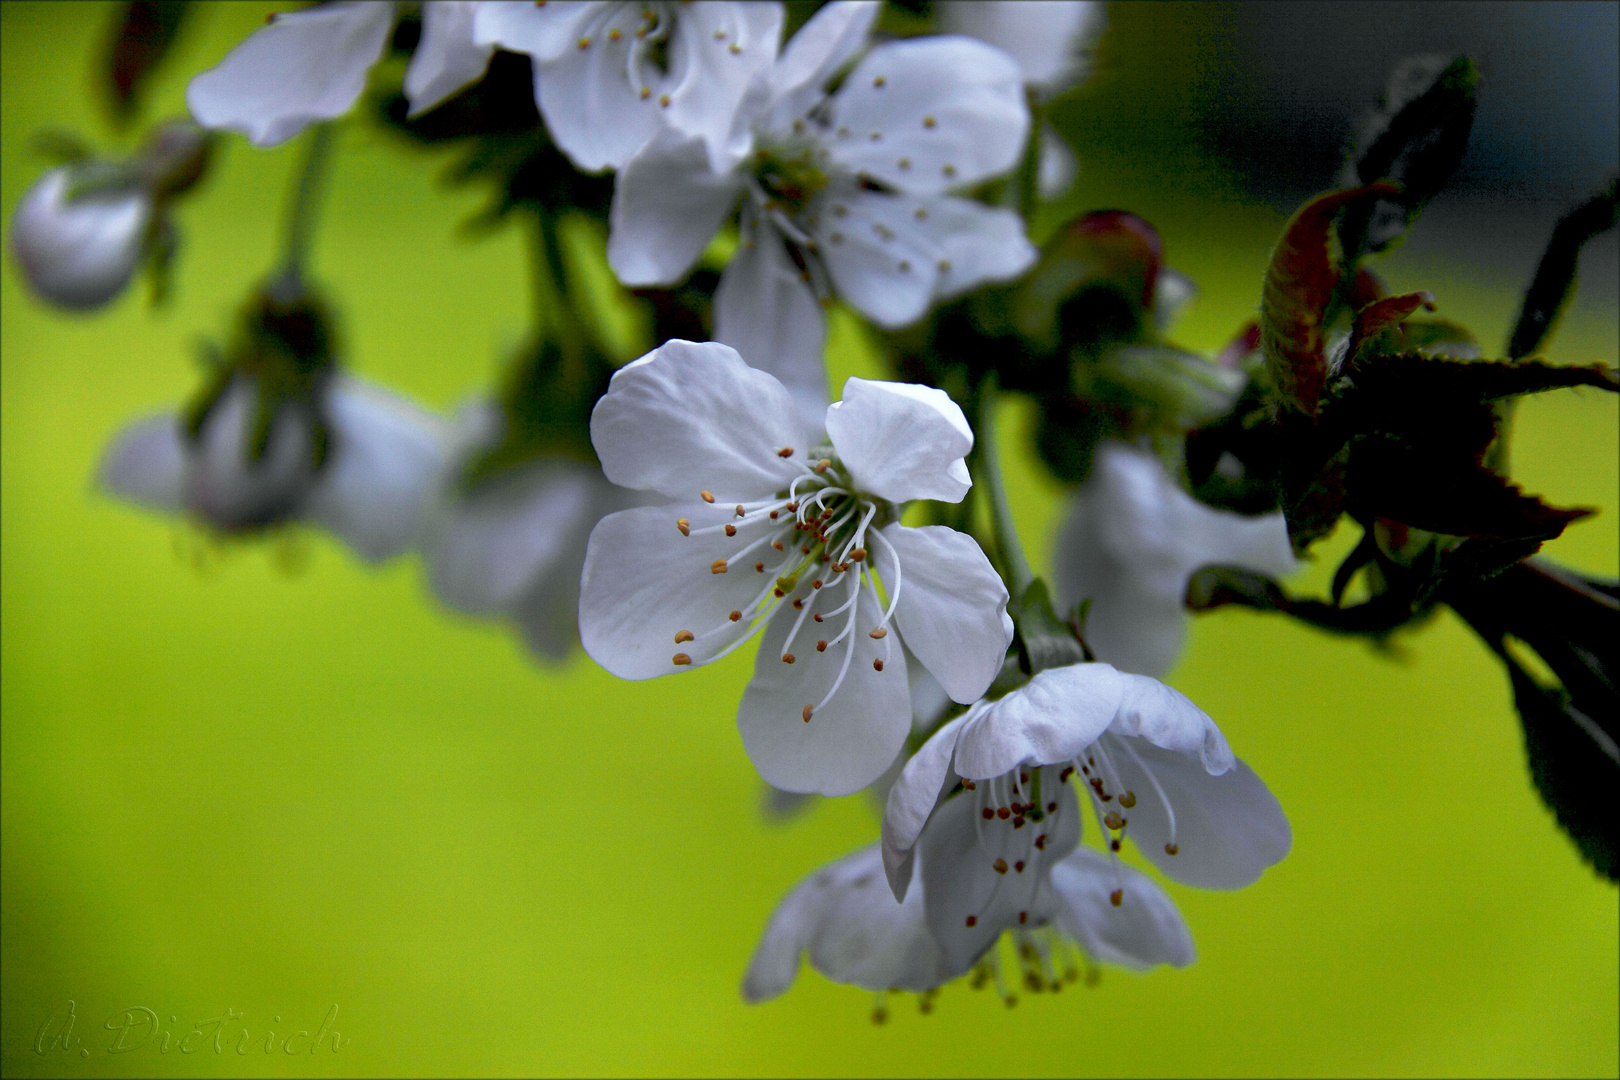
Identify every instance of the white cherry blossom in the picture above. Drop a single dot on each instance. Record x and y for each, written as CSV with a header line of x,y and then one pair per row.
x,y
844,194
855,933
311,65
382,453
513,544
1150,762
781,531
1131,541
1050,40
80,252
610,76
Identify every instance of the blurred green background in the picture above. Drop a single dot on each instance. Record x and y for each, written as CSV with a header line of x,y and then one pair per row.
x,y
273,781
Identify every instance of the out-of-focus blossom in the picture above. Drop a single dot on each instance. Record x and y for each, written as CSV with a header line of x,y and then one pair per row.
x,y
1130,543
366,487
512,545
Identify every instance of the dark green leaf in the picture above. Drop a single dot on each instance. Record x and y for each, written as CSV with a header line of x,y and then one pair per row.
x,y
1555,275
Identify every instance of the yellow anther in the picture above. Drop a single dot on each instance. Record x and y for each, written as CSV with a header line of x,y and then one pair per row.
x,y
1114,821
877,665
731,530
735,616
584,42
879,82
663,99
879,634
718,566
788,658
929,121
808,709
681,659
821,646
1171,849
786,451
999,866
1117,897
707,496
1128,799
683,636
735,48
857,555
684,525
646,92
614,35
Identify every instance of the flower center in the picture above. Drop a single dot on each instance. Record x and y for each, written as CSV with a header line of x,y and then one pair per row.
x,y
809,546
790,174
1013,820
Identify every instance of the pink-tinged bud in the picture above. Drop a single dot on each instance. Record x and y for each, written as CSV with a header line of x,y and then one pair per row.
x,y
81,253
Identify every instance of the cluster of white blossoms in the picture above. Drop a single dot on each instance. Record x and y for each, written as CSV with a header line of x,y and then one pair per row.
x,y
728,501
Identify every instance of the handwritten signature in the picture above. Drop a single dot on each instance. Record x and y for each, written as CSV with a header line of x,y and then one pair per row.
x,y
138,1027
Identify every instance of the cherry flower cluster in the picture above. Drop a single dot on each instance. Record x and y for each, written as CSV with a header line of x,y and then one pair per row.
x,y
666,512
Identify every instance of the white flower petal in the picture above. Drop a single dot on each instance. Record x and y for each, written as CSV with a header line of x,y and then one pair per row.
x,y
821,46
384,454
931,113
667,206
928,698
689,417
305,66
146,464
1058,165
644,583
952,607
720,48
230,489
1044,36
912,799
902,441
959,879
1130,543
848,741
543,32
765,311
79,254
595,113
486,549
855,932
1046,721
892,255
547,616
1146,929
1166,717
447,58
1229,828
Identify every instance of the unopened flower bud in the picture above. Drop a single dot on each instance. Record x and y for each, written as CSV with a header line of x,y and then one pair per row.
x,y
80,252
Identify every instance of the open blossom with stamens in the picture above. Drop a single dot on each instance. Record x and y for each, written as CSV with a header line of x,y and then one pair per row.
x,y
608,76
841,194
856,934
1131,541
782,531
312,65
1150,763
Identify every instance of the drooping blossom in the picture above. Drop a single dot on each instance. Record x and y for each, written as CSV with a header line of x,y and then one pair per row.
x,y
780,530
844,193
1131,541
80,252
311,65
1151,764
844,916
609,76
366,488
512,545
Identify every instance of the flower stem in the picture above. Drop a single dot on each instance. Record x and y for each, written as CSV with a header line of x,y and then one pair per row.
x,y
1029,172
301,210
1012,552
554,311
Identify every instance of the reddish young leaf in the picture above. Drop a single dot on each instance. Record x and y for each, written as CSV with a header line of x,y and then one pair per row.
x,y
1299,283
1385,314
